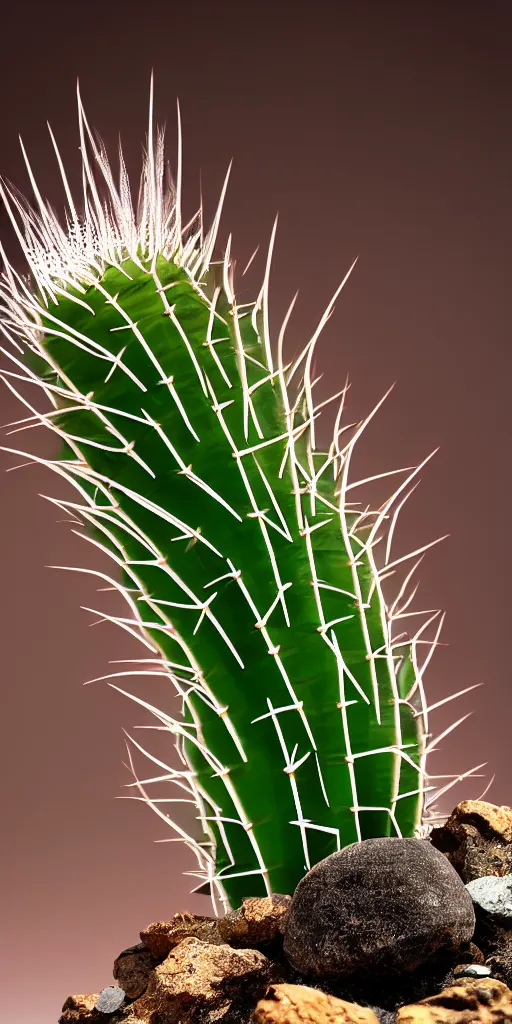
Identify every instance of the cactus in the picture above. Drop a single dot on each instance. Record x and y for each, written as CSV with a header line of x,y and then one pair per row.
x,y
251,574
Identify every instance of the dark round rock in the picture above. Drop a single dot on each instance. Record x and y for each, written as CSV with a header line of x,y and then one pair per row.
x,y
385,906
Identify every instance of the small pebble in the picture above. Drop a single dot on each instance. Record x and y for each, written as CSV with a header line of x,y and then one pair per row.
x,y
110,999
472,971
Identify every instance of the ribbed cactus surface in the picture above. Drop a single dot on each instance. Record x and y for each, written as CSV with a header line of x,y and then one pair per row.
x,y
248,564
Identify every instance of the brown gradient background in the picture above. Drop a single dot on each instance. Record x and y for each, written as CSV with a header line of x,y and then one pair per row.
x,y
379,129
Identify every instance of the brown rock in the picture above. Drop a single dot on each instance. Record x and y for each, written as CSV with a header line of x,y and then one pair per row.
x,y
202,983
162,936
489,817
79,1009
298,1004
259,920
476,839
132,969
482,1000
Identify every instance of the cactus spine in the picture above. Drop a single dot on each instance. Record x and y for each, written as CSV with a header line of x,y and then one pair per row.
x,y
249,570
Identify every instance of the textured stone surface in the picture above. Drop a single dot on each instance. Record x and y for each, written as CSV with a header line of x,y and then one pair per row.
x,y
201,983
481,1000
476,839
110,999
132,969
162,936
260,920
382,906
79,1009
298,1004
494,896
135,964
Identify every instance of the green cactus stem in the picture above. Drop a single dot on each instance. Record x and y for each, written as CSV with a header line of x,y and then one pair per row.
x,y
249,570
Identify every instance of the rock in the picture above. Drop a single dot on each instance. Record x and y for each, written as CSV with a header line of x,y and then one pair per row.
x,y
162,936
482,1000
110,999
382,906
476,839
471,971
298,1004
384,1016
80,1009
259,921
93,1008
492,899
203,983
132,969
493,895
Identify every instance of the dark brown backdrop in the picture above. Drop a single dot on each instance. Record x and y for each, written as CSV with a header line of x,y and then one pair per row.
x,y
379,129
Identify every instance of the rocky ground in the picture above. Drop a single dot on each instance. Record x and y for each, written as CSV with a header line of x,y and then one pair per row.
x,y
396,931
